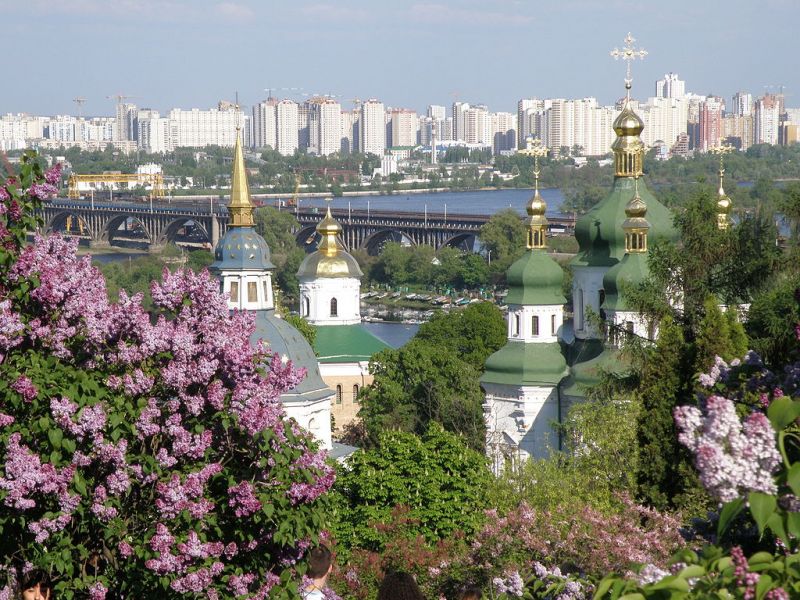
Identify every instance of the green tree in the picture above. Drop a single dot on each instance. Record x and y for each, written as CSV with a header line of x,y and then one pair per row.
x,y
713,336
473,333
278,230
420,383
440,479
771,320
504,237
307,330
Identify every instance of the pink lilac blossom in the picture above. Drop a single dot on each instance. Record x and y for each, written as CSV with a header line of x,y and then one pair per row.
x,y
512,584
243,500
25,388
97,591
11,328
732,458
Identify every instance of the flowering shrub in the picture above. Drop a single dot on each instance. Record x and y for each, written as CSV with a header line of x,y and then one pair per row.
x,y
144,455
747,462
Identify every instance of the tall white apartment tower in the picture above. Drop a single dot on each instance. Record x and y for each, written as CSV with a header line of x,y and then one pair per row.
x,y
373,127
767,119
460,120
404,127
287,127
670,87
742,105
324,126
265,124
439,113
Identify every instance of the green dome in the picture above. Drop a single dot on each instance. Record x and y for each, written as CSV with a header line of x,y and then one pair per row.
x,y
631,270
535,278
520,363
590,359
601,239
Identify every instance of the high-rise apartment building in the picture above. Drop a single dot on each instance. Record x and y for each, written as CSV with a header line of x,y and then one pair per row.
x,y
126,122
153,131
767,119
265,124
664,120
439,113
460,121
742,104
477,126
197,128
287,127
670,87
738,130
350,131
404,123
324,126
373,127
504,132
710,123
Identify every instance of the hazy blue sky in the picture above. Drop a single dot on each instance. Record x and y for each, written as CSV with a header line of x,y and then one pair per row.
x,y
192,53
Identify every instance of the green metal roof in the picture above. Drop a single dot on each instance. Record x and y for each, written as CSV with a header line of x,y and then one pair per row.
x,y
346,343
535,279
520,363
599,232
589,359
631,270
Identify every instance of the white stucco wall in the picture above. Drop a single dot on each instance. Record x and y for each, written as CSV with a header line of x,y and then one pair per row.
x,y
316,296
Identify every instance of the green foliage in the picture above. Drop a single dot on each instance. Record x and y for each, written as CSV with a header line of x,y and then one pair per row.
x,y
504,236
436,476
278,229
133,275
435,377
713,336
473,333
771,320
597,461
420,383
307,330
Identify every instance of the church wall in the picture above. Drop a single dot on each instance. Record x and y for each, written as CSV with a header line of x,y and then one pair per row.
x,y
587,283
314,417
344,408
248,290
523,416
631,321
316,301
520,322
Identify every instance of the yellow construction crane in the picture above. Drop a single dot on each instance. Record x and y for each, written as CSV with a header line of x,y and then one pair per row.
x,y
155,180
295,195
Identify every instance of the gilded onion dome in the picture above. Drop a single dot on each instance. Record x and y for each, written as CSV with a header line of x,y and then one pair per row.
x,y
330,259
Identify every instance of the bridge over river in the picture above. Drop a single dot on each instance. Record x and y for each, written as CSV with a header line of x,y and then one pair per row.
x,y
202,223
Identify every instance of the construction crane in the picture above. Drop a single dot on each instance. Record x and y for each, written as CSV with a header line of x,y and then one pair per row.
x,y
293,201
79,102
154,180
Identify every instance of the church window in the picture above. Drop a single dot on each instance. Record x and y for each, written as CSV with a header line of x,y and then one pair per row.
x,y
629,326
601,297
535,325
306,306
338,394
579,311
234,291
334,307
266,291
252,291
355,393
552,324
516,324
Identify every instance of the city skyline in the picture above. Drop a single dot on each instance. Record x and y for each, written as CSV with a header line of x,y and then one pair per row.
x,y
193,54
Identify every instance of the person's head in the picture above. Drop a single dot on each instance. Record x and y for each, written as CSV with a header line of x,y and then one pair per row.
x,y
399,586
470,593
35,585
320,562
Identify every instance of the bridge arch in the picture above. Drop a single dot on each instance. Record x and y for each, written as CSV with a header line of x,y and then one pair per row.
x,y
111,226
461,241
169,232
68,221
375,242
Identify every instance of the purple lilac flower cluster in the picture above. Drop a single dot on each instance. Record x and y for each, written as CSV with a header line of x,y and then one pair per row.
x,y
184,371
732,458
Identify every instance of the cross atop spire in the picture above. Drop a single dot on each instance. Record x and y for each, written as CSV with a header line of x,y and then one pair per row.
x,y
628,53
723,202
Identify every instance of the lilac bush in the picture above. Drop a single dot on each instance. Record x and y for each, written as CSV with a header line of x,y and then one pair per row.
x,y
144,454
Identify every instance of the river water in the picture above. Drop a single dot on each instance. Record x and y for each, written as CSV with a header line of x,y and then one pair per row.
x,y
482,202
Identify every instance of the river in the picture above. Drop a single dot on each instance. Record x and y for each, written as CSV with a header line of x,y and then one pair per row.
x,y
482,202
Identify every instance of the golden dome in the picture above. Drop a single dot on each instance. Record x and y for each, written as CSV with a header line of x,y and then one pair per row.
x,y
628,123
536,206
330,259
636,208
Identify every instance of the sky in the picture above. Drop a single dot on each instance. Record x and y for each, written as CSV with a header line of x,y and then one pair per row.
x,y
193,53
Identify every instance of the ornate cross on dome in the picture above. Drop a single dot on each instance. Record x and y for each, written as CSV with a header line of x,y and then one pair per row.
x,y
723,202
628,54
535,148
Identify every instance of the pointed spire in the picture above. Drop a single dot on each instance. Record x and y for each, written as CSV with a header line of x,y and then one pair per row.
x,y
723,201
240,208
329,228
536,207
636,226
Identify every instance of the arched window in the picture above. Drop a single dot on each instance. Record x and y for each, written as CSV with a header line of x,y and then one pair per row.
x,y
516,324
355,393
306,306
579,311
338,394
535,325
234,291
334,307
